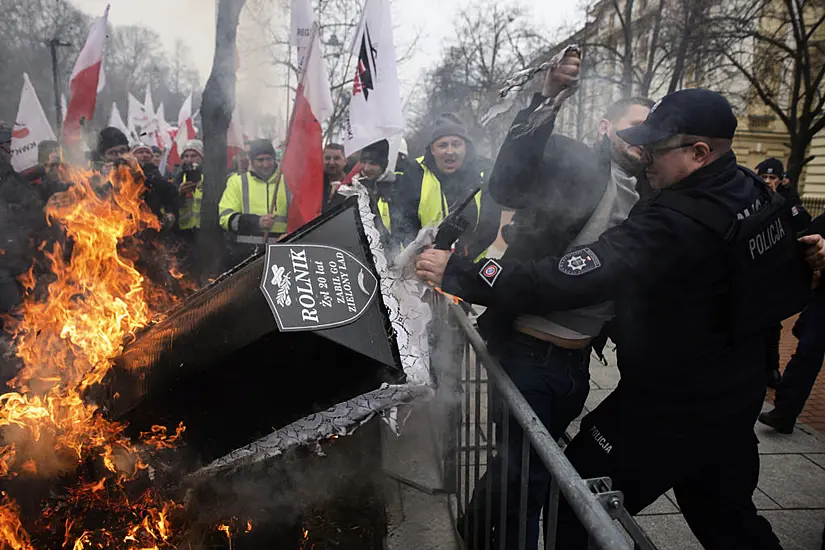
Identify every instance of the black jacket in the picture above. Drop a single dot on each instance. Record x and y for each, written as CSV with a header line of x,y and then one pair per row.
x,y
668,277
553,182
456,187
161,195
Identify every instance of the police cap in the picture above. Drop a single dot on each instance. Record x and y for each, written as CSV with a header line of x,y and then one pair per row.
x,y
695,111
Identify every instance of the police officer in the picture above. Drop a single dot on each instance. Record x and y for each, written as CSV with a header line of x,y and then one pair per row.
x,y
687,271
441,179
244,207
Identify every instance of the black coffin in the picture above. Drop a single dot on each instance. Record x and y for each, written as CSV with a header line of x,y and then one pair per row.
x,y
220,365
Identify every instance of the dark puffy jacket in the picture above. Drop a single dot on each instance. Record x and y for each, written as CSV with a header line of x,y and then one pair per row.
x,y
456,187
554,183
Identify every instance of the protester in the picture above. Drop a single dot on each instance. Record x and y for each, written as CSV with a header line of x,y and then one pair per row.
x,y
565,194
690,323
21,220
157,156
161,196
189,182
442,179
335,170
244,209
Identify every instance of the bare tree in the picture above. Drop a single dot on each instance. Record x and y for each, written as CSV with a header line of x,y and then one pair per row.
x,y
216,112
491,42
778,47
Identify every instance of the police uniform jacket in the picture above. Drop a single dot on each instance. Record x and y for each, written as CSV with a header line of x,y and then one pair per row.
x,y
667,274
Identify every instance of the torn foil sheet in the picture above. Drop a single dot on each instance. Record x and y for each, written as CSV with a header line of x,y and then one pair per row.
x,y
508,94
409,316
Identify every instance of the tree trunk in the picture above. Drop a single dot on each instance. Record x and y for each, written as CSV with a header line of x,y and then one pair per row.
x,y
627,59
797,158
217,105
647,80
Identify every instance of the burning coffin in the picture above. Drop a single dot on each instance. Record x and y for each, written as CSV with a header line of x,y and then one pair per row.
x,y
287,334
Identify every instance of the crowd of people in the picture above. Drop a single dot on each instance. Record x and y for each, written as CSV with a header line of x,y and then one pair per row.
x,y
654,236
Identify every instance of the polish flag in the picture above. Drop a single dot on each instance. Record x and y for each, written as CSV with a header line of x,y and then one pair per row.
x,y
234,137
303,165
84,82
185,132
30,128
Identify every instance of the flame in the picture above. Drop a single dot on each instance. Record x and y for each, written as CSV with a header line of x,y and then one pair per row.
x,y
67,342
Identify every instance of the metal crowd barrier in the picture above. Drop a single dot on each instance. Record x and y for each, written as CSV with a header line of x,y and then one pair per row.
x,y
467,391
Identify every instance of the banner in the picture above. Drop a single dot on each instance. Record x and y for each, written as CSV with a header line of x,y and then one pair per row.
x,y
375,110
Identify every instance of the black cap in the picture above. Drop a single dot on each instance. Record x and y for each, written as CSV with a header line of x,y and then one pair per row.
x,y
695,112
448,124
261,147
377,152
110,137
157,150
771,167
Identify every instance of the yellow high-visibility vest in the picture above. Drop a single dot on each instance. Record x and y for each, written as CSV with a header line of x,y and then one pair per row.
x,y
432,205
190,212
247,194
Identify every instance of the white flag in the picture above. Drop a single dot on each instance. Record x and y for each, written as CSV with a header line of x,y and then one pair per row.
x,y
30,128
375,107
147,101
136,115
64,107
164,139
116,121
300,30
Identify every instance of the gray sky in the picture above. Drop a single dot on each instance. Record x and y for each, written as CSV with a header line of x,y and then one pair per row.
x,y
193,21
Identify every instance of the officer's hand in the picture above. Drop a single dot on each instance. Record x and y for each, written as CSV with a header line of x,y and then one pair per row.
x,y
564,76
430,265
187,187
815,252
265,222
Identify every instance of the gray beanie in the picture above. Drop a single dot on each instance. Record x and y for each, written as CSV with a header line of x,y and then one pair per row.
x,y
448,124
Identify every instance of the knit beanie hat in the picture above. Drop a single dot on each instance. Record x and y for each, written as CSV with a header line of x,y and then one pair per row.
x,y
110,137
377,152
448,124
195,145
261,147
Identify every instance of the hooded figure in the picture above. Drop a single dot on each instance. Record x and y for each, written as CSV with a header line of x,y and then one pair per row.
x,y
440,180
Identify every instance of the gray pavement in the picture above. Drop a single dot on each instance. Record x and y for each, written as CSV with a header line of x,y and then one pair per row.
x,y
790,494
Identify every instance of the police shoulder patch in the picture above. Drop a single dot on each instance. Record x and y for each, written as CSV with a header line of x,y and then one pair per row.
x,y
489,272
579,262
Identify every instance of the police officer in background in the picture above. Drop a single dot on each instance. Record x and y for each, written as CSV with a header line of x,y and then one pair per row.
x,y
691,273
772,171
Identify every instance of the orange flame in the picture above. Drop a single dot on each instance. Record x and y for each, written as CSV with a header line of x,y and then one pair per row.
x,y
96,303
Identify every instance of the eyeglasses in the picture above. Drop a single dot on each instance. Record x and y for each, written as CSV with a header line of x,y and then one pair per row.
x,y
648,154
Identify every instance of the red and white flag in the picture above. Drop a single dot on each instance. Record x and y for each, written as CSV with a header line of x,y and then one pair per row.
x,y
303,165
30,128
84,82
185,132
234,137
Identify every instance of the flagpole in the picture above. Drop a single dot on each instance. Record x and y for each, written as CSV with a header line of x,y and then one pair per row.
x,y
288,136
